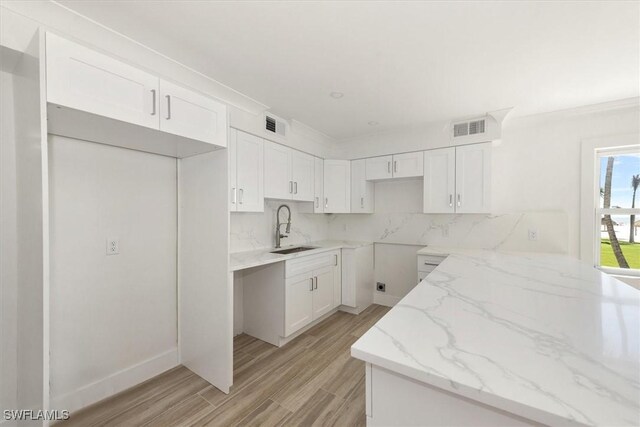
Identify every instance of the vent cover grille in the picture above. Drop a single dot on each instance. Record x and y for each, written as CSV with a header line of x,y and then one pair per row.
x,y
476,127
270,124
469,128
461,129
276,126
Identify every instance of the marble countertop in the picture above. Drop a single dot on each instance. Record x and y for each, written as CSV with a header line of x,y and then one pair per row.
x,y
248,259
543,336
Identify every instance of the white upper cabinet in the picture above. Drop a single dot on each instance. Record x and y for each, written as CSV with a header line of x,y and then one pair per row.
x,y
362,191
246,172
189,114
379,168
318,200
458,179
404,165
337,186
289,174
83,79
277,171
439,180
302,175
408,165
94,97
473,178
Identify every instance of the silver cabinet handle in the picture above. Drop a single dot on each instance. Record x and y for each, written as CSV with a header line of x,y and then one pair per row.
x,y
335,259
168,106
395,166
311,285
459,202
295,187
389,167
431,263
290,187
362,202
316,281
450,200
317,202
241,196
326,202
233,198
153,102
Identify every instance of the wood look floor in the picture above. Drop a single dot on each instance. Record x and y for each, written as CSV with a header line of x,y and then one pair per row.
x,y
312,380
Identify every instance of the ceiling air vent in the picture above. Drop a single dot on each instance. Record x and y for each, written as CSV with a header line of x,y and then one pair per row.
x,y
476,127
275,125
461,129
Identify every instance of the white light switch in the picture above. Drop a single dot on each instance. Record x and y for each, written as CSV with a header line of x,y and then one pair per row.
x,y
113,246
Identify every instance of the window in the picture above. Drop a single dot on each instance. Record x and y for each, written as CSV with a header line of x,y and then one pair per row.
x,y
617,235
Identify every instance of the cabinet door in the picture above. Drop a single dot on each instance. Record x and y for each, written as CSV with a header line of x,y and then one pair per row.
x,y
337,186
318,200
408,165
192,115
233,171
323,292
337,280
473,178
277,171
83,79
250,173
379,167
362,191
298,303
439,180
302,175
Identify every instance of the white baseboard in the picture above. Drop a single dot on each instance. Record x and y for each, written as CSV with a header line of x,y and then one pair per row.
x,y
386,300
115,383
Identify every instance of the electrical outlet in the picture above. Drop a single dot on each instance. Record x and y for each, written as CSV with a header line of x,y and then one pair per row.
x,y
113,246
381,287
533,234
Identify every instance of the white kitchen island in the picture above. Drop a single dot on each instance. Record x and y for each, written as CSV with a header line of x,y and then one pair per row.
x,y
506,339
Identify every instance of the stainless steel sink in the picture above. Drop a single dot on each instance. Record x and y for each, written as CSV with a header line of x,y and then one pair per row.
x,y
293,250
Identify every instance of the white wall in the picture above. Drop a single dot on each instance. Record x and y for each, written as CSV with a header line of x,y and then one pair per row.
x,y
8,247
113,318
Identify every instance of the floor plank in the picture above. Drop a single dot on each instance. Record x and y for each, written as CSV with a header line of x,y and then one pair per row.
x,y
313,380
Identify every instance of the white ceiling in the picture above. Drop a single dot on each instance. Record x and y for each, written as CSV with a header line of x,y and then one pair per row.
x,y
397,63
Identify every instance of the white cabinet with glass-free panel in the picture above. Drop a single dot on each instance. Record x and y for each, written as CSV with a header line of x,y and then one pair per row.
x,y
246,178
439,180
458,179
288,173
357,279
299,303
94,97
337,186
362,191
379,168
302,175
318,199
191,115
404,165
83,79
408,165
473,178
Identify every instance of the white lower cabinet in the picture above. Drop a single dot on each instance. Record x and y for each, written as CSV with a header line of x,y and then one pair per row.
x,y
357,278
428,263
298,302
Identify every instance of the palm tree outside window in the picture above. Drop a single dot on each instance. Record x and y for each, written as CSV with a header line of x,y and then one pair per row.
x,y
617,249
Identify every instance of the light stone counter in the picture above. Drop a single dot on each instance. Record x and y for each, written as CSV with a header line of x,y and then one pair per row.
x,y
545,337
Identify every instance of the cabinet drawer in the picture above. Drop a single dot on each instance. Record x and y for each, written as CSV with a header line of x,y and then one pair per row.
x,y
429,262
422,275
309,263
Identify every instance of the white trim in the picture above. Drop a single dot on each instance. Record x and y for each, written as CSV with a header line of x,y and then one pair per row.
x,y
589,189
386,300
116,382
623,272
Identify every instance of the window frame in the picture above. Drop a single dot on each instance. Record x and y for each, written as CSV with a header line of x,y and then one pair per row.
x,y
590,210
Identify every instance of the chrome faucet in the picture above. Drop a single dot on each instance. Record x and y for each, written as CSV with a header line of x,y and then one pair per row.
x,y
288,230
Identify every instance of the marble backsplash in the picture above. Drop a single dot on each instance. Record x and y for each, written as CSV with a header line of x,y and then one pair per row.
x,y
508,232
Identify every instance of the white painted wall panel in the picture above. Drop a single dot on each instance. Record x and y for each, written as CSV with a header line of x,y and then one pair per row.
x,y
110,313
